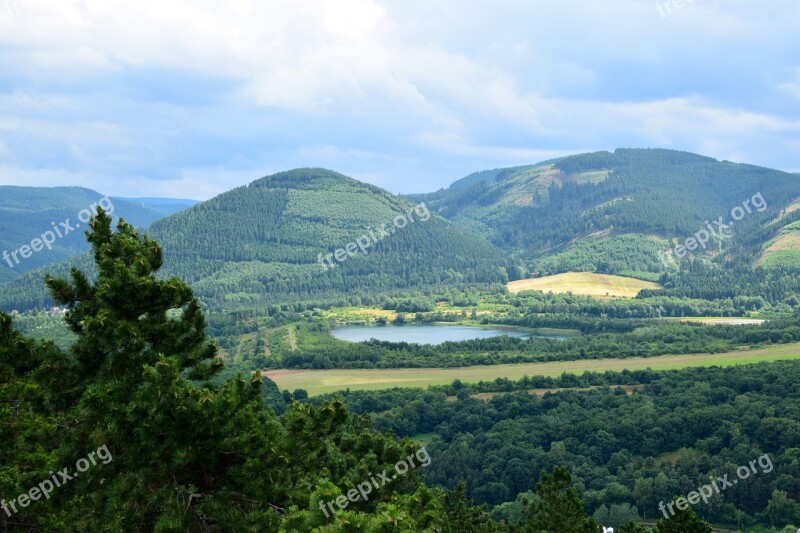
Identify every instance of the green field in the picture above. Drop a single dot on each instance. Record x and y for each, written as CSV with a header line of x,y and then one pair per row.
x,y
324,381
585,283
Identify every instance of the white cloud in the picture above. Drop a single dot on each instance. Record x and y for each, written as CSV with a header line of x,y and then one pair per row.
x,y
432,88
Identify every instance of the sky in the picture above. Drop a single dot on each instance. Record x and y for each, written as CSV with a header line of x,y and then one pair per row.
x,y
190,98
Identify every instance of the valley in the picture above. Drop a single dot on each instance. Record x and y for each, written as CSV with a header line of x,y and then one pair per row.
x,y
519,298
374,266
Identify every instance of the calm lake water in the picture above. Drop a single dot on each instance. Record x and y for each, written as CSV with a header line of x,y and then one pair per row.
x,y
424,333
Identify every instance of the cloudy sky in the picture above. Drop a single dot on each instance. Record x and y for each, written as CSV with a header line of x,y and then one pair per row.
x,y
188,99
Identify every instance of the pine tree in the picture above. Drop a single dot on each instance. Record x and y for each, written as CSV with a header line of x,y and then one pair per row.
x,y
185,452
683,521
558,507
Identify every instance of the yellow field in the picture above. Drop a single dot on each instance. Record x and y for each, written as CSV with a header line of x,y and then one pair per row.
x,y
324,381
585,283
358,314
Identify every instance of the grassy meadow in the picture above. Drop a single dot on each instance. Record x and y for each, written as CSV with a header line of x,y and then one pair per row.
x,y
585,283
325,381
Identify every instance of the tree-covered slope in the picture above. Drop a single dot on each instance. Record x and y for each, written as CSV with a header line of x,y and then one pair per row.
x,y
26,213
161,441
266,243
614,211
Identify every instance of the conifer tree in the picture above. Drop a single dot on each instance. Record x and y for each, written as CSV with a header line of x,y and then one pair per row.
x,y
683,521
558,507
184,453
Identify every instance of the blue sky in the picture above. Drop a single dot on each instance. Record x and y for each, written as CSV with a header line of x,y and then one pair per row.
x,y
189,98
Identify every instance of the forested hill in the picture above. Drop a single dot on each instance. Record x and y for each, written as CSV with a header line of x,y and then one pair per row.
x,y
615,211
267,243
28,212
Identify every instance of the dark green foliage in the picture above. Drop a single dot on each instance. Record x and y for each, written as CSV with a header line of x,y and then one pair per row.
x,y
632,527
581,212
617,254
701,280
186,450
685,521
465,517
261,244
641,448
616,515
557,507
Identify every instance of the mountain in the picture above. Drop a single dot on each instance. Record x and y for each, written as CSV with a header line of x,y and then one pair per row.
x,y
621,212
165,206
299,235
46,224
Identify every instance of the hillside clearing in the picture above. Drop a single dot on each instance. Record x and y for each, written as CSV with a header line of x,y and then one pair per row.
x,y
584,283
784,250
324,381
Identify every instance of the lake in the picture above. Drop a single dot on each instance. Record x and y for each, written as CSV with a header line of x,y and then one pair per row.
x,y
427,333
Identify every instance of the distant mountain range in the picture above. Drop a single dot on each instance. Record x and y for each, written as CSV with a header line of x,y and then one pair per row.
x,y
309,234
165,206
620,212
305,234
58,214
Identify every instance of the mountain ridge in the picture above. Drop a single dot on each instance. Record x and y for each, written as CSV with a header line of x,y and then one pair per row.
x,y
263,243
275,239
614,212
56,214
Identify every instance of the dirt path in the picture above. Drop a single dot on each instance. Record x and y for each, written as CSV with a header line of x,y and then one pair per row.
x,y
292,342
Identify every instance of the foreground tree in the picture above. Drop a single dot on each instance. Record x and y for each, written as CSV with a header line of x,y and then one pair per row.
x,y
180,452
558,507
683,521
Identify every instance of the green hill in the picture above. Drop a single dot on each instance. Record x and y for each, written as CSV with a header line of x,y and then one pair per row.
x,y
618,212
28,213
267,242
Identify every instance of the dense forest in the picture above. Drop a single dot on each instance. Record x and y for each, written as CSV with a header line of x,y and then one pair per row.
x,y
619,212
266,242
158,445
128,368
701,280
627,448
614,212
162,439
